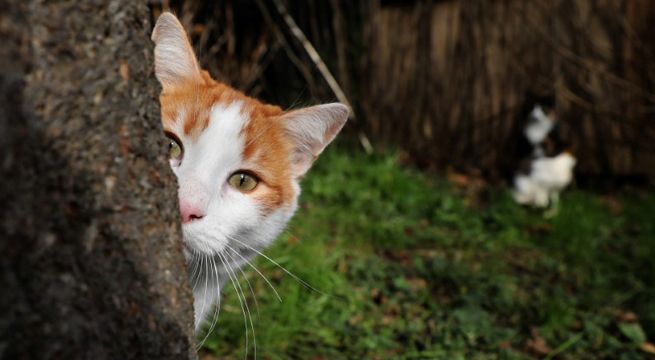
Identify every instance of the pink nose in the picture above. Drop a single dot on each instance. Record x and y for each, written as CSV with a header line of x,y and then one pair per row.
x,y
190,211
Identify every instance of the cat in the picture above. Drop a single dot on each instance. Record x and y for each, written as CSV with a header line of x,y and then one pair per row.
x,y
238,163
548,167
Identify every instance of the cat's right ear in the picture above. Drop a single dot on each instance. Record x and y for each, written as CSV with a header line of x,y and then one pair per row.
x,y
175,62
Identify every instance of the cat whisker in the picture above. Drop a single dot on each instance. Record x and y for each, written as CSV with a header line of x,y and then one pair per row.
x,y
198,259
216,306
297,101
195,270
254,297
242,302
258,272
243,295
294,276
206,271
287,232
229,274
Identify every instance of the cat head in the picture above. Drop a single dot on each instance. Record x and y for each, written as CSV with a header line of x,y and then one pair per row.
x,y
238,161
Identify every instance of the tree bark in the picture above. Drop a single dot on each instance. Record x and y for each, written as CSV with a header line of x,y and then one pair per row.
x,y
91,248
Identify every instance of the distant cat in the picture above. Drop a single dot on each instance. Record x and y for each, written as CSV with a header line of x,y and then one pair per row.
x,y
238,162
548,166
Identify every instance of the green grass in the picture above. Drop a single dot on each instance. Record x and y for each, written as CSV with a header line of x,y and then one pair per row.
x,y
410,268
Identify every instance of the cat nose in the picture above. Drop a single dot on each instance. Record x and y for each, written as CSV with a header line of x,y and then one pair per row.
x,y
190,212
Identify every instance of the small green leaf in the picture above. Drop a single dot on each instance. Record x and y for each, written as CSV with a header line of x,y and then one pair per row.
x,y
634,332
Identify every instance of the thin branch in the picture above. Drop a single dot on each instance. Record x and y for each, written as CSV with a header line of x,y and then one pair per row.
x,y
313,54
304,71
322,68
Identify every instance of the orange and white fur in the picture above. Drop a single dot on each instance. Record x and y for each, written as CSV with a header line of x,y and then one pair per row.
x,y
238,163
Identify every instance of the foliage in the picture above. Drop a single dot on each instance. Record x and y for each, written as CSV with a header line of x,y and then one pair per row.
x,y
407,267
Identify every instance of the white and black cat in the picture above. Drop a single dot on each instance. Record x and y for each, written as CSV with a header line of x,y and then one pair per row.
x,y
548,164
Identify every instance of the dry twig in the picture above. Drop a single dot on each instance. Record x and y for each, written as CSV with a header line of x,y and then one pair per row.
x,y
320,65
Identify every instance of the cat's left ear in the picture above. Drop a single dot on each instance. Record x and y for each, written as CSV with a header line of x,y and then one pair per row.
x,y
310,130
175,62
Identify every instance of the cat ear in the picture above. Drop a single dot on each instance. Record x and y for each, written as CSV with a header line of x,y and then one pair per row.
x,y
175,62
310,130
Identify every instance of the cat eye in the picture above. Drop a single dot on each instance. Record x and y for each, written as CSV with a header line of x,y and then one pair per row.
x,y
175,150
243,182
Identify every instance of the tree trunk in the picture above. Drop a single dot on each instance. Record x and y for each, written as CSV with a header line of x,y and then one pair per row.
x,y
91,250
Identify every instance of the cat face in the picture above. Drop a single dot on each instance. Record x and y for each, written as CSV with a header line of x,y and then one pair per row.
x,y
238,161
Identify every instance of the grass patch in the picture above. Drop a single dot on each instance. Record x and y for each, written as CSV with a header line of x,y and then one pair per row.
x,y
409,269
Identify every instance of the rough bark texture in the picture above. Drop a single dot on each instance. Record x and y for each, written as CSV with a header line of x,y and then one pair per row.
x,y
90,242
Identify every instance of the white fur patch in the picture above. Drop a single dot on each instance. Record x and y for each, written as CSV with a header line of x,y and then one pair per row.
x,y
547,178
538,127
234,227
207,164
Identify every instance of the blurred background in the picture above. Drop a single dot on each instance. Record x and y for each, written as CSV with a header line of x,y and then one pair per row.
x,y
409,230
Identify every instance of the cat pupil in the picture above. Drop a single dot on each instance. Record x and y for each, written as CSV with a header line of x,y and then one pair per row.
x,y
242,179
